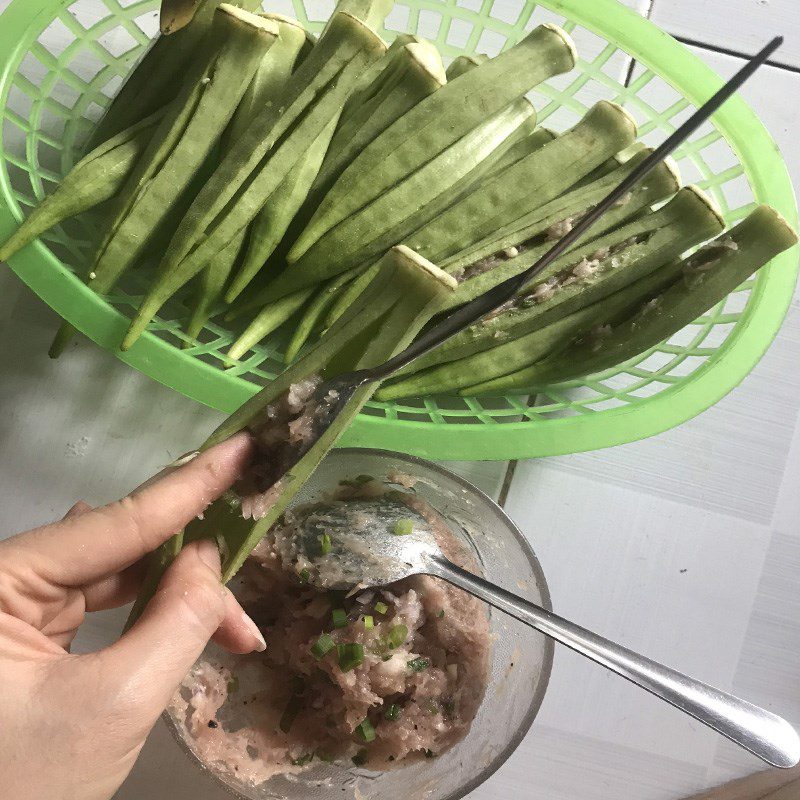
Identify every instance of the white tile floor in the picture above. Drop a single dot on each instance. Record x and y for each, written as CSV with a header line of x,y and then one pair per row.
x,y
686,546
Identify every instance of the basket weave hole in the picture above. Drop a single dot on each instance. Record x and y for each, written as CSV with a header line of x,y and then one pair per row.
x,y
459,32
507,11
717,334
85,65
319,10
541,15
736,302
397,19
430,23
31,68
472,5
118,41
19,102
657,360
148,23
88,13
56,37
491,42
737,192
686,366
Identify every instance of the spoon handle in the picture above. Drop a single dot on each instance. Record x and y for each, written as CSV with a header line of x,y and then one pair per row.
x,y
762,733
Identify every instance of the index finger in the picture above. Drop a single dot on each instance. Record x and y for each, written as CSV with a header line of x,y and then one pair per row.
x,y
81,549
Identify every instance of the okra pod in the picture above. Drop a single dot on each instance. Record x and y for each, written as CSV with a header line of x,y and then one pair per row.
x,y
436,123
418,288
528,184
269,320
156,79
269,226
414,71
389,218
97,177
510,353
277,138
212,285
706,278
245,38
266,86
312,315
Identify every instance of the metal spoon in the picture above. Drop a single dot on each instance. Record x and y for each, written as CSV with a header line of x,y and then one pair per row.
x,y
363,549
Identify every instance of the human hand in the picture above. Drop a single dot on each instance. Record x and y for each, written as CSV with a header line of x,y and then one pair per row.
x,y
73,726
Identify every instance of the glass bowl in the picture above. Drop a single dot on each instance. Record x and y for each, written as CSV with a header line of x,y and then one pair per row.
x,y
521,658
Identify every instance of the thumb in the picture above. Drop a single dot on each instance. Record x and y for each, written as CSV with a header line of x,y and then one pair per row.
x,y
153,657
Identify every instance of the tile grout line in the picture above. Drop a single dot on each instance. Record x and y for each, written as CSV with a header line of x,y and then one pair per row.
x,y
507,481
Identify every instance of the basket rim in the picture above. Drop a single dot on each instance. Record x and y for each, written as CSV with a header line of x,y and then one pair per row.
x,y
672,61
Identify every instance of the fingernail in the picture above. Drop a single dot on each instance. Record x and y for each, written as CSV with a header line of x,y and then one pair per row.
x,y
208,552
257,635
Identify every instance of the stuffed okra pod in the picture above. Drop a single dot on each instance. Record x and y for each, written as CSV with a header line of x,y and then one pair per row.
x,y
594,272
705,279
511,352
407,292
438,122
528,184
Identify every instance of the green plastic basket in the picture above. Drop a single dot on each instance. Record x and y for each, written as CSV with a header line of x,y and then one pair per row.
x,y
62,61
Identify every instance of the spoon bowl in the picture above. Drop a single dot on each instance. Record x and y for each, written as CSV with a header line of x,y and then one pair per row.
x,y
366,542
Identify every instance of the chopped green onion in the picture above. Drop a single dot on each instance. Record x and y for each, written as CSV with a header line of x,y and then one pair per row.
x,y
440,615
364,479
449,707
233,684
403,527
393,712
304,575
322,646
303,760
325,543
339,617
365,732
386,658
419,664
360,758
397,636
293,708
381,607
350,656
369,623
325,757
